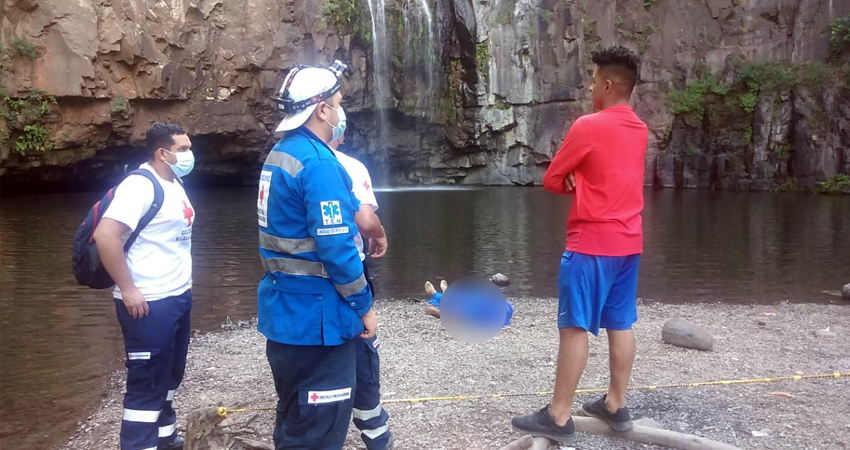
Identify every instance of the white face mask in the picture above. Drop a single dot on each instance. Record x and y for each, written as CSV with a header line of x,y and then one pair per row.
x,y
185,163
339,128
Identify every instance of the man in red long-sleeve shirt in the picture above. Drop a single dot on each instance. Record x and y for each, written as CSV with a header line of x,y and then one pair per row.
x,y
601,163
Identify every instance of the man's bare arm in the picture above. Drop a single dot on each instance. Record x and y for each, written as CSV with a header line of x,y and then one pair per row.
x,y
107,237
369,225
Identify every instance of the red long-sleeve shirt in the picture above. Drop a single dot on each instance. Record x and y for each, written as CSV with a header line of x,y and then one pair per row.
x,y
605,151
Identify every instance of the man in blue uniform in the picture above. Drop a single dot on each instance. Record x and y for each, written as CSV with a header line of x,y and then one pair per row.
x,y
314,299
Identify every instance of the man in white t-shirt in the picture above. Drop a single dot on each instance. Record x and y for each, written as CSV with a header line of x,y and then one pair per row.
x,y
153,283
369,416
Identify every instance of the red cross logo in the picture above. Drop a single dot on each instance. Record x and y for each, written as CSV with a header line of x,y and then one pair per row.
x,y
366,185
188,212
314,397
262,193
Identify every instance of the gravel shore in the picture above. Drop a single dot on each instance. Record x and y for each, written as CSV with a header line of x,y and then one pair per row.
x,y
420,360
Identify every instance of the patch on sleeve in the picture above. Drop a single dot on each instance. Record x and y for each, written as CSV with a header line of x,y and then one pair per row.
x,y
331,231
263,198
334,396
331,214
132,356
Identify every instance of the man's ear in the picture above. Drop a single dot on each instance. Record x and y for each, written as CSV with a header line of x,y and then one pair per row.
x,y
321,111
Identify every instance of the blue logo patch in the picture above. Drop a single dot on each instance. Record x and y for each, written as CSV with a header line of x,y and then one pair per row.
x,y
330,213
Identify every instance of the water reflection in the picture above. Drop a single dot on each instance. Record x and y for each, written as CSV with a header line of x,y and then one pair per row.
x,y
60,341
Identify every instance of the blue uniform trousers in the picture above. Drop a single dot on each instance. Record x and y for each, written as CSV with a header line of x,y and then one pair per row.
x,y
315,388
156,347
369,416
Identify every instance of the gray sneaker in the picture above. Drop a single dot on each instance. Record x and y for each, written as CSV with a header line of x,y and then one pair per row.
x,y
541,424
619,421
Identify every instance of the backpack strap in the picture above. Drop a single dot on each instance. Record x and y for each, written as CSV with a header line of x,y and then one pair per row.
x,y
158,196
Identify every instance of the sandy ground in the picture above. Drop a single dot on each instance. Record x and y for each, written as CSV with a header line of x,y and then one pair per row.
x,y
420,360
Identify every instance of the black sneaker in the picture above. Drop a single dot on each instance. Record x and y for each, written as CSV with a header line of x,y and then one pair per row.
x,y
541,424
619,421
176,444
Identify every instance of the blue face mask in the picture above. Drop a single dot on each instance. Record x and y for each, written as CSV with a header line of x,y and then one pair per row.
x,y
339,128
185,163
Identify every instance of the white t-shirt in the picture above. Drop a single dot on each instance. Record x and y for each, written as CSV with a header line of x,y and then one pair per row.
x,y
361,186
160,261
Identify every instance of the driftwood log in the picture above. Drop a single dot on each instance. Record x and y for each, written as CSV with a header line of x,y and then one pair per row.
x,y
254,445
202,430
520,444
641,434
205,431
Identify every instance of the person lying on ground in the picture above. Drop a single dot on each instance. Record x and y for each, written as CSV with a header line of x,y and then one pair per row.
x,y
433,307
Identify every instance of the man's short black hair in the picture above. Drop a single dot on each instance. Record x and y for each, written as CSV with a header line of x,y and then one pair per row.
x,y
159,135
619,62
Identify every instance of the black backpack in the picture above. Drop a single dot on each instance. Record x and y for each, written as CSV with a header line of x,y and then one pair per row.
x,y
88,269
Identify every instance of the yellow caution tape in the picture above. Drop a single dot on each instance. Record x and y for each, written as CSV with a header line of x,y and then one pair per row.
x,y
633,388
222,411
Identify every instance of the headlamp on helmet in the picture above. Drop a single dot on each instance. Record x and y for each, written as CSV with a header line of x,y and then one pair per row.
x,y
288,106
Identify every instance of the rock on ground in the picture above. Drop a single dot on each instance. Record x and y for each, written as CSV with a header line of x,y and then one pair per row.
x,y
500,280
684,333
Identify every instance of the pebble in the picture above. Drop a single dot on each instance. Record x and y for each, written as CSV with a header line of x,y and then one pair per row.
x,y
824,334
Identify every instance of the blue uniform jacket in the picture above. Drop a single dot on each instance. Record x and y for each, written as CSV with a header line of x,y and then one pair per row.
x,y
314,291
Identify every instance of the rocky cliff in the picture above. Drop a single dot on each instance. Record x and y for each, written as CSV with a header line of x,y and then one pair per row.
x,y
738,94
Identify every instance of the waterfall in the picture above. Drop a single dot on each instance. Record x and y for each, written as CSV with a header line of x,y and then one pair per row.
x,y
420,55
430,56
377,8
380,66
414,51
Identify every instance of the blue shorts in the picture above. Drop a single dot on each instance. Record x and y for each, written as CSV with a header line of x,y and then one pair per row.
x,y
597,292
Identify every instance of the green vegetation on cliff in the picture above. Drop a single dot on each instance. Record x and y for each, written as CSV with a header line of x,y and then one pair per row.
x,y
482,57
691,100
764,76
22,47
24,117
119,104
22,126
758,106
642,37
753,79
839,34
836,185
346,16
